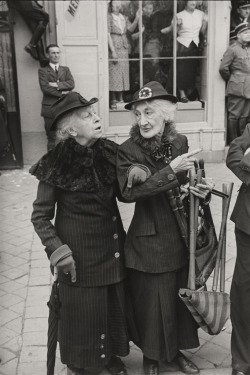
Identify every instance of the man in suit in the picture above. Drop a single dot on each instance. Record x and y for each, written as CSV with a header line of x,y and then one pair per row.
x,y
55,81
235,70
238,160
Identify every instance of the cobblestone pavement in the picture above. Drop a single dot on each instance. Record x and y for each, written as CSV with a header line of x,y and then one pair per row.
x,y
25,284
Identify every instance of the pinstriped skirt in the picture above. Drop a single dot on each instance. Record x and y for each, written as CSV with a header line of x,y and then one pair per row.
x,y
163,322
92,325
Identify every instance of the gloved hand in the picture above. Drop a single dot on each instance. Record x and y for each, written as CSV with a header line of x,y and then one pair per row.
x,y
67,265
136,175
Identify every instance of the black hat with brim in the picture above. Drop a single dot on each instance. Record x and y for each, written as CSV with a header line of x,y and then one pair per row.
x,y
152,90
68,103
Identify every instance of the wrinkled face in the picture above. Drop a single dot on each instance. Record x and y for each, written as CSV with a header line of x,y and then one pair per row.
x,y
150,121
244,36
244,12
54,55
88,126
148,10
191,5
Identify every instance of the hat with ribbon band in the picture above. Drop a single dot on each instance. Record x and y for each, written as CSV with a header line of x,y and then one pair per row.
x,y
152,90
67,103
241,27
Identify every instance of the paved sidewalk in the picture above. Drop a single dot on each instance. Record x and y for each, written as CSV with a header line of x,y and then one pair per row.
x,y
25,284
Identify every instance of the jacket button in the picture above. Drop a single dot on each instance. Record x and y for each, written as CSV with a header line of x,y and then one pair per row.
x,y
115,236
101,346
170,176
103,336
114,218
160,183
103,356
117,255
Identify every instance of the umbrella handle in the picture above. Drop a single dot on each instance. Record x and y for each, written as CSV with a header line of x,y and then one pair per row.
x,y
221,237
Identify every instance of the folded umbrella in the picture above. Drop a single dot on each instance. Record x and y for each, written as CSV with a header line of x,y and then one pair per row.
x,y
54,315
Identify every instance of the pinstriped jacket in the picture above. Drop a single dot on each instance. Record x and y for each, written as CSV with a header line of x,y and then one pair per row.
x,y
240,166
153,243
85,210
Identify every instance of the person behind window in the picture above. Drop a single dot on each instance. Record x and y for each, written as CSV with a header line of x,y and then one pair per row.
x,y
238,161
77,179
151,162
240,13
191,22
235,70
118,25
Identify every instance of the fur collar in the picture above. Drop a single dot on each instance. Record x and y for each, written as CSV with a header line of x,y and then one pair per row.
x,y
73,167
158,148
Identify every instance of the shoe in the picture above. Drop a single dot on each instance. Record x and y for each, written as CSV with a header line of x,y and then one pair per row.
x,y
116,366
184,99
43,62
31,49
113,105
185,365
150,366
235,372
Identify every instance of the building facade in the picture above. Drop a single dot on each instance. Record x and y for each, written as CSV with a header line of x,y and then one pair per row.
x,y
85,32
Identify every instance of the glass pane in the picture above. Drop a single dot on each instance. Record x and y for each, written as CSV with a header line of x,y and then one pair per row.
x,y
191,49
123,45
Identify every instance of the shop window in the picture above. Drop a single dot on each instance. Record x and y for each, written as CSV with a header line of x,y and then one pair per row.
x,y
159,40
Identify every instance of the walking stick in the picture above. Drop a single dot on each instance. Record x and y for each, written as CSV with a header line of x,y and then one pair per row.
x,y
192,241
223,252
221,237
179,203
177,215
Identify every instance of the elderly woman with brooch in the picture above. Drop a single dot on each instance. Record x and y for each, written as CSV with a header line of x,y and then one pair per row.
x,y
152,161
77,179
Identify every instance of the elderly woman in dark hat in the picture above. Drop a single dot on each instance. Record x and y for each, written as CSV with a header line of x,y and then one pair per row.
x,y
152,161
77,179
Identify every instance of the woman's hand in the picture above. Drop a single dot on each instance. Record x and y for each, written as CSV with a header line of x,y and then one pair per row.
x,y
184,162
67,265
137,175
114,56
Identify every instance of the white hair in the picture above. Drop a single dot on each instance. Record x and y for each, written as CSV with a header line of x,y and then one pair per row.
x,y
162,106
66,122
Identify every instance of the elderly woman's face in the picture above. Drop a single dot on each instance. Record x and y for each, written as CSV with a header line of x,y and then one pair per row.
x,y
150,121
88,126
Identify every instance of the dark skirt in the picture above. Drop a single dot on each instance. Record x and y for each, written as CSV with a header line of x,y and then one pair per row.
x,y
92,325
163,322
187,68
240,301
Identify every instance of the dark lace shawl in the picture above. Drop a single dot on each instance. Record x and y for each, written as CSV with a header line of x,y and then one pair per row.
x,y
158,148
73,167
